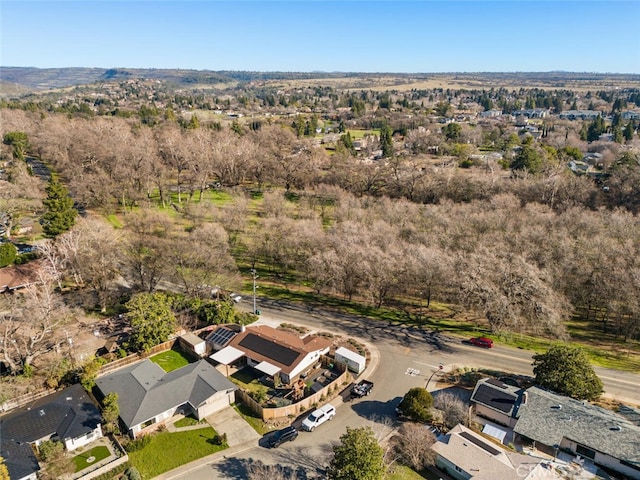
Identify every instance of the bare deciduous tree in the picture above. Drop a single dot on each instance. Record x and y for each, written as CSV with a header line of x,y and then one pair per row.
x,y
452,408
412,445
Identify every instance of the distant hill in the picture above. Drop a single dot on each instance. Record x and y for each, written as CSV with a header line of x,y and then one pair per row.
x,y
18,81
38,79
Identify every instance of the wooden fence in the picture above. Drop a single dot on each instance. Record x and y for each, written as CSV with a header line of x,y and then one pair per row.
x,y
327,393
24,399
134,357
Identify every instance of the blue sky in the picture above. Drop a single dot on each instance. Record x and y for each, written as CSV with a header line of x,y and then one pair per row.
x,y
308,35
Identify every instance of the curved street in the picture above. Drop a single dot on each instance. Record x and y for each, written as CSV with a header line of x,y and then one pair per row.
x,y
406,357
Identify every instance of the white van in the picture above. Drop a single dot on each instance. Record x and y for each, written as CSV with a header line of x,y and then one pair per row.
x,y
318,417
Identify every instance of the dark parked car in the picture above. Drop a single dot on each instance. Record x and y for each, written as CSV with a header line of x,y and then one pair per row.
x,y
287,434
482,342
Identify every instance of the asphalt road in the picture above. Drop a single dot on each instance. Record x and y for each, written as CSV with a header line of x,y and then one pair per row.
x,y
408,358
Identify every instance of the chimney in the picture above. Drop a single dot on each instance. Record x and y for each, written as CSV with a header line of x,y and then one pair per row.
x,y
243,328
524,398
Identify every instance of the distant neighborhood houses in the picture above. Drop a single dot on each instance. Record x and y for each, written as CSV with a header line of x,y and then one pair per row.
x,y
552,423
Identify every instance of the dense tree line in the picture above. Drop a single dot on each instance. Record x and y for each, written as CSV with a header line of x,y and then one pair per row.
x,y
523,250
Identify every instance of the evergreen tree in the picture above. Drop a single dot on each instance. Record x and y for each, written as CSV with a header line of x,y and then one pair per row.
x,y
60,215
452,131
386,141
357,457
152,320
628,132
596,129
8,253
416,405
347,141
567,371
529,159
193,123
110,412
19,141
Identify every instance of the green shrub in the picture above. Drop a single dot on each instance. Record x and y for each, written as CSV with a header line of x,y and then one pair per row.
x,y
114,473
8,253
137,444
132,473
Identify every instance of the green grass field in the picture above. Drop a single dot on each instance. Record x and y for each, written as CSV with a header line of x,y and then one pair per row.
x,y
361,133
96,454
170,360
400,472
167,451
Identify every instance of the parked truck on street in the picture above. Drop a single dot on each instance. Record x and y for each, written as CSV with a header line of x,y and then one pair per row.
x,y
362,388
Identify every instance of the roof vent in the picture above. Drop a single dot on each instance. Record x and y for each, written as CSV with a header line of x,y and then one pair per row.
x,y
556,407
41,412
615,428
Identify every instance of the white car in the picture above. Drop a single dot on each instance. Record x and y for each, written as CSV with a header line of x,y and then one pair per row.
x,y
235,297
318,417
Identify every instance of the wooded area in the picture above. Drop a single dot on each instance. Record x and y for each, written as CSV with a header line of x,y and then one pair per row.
x,y
196,206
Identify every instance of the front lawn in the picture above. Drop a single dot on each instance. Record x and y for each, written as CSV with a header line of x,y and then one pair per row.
x,y
95,455
400,472
170,360
167,451
188,421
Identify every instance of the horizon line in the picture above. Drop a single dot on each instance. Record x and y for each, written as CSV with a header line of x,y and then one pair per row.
x,y
592,72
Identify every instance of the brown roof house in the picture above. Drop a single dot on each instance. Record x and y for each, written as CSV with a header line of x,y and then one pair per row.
x,y
275,351
16,277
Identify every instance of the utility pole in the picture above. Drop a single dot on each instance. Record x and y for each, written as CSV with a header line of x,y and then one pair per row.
x,y
253,273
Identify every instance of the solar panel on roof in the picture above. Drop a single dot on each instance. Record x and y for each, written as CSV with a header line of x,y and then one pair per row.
x,y
502,401
222,336
483,445
496,383
269,349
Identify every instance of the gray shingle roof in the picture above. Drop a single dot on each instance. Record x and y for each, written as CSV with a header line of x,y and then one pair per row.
x,y
547,418
145,390
69,413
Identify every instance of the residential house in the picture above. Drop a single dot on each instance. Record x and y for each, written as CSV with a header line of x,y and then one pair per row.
x,y
631,115
274,351
496,401
148,396
68,416
555,422
491,113
580,114
16,277
464,454
532,113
